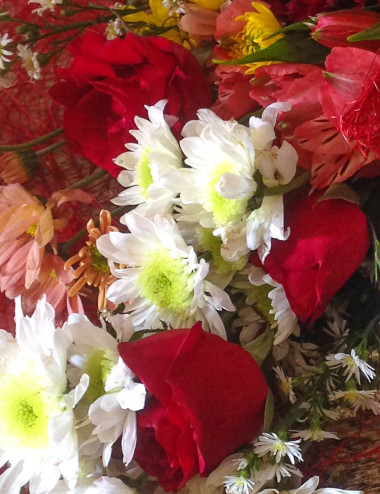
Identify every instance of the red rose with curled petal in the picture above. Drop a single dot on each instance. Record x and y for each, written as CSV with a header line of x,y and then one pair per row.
x,y
109,82
208,399
327,243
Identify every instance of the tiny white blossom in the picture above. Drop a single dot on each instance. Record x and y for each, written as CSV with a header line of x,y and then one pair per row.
x,y
115,28
29,61
238,485
359,400
4,54
315,435
45,5
174,6
286,384
277,471
352,365
270,443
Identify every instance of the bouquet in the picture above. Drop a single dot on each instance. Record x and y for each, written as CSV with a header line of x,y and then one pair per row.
x,y
189,245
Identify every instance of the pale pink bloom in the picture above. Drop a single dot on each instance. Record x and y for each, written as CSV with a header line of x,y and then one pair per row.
x,y
26,227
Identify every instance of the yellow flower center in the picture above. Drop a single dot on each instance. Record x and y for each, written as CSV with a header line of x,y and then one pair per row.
x,y
166,282
25,407
32,230
259,25
225,211
98,367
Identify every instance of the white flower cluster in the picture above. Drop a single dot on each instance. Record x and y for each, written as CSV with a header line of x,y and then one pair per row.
x,y
52,437
200,208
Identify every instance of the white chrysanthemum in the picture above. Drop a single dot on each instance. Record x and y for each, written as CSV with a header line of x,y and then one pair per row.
x,y
4,54
286,320
270,443
149,164
113,394
37,435
102,485
29,61
359,400
45,5
352,365
223,158
309,487
164,280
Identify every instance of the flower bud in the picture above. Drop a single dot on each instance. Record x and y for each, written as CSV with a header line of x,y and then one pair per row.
x,y
334,28
19,166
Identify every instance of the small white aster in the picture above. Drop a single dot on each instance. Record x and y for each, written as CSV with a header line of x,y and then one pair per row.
x,y
45,5
278,471
286,384
101,485
29,61
149,165
352,365
359,400
270,443
163,280
238,485
315,435
115,28
4,54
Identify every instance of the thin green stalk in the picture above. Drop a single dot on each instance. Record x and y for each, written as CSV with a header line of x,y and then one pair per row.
x,y
34,142
89,180
50,149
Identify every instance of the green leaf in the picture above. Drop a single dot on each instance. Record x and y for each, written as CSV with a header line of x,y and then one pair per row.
x,y
373,33
296,47
269,411
261,346
296,26
340,191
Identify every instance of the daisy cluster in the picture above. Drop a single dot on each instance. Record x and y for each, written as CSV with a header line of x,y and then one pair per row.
x,y
201,206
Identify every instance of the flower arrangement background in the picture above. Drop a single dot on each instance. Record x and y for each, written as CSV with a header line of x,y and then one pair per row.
x,y
189,253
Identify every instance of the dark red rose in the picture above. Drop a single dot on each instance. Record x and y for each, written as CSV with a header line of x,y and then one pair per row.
x,y
328,241
208,398
109,82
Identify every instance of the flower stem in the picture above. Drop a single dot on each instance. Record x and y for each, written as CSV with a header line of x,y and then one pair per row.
x,y
51,148
89,180
34,142
297,182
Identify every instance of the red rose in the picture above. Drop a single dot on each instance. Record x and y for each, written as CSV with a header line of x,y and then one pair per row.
x,y
328,241
208,399
109,82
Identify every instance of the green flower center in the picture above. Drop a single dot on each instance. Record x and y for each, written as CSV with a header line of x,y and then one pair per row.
x,y
143,173
166,282
224,211
98,367
98,261
24,412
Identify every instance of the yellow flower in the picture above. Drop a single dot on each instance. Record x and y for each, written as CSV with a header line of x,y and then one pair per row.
x,y
209,4
158,16
259,25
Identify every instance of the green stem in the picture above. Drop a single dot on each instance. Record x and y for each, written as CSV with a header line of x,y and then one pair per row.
x,y
297,182
88,180
34,142
50,149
